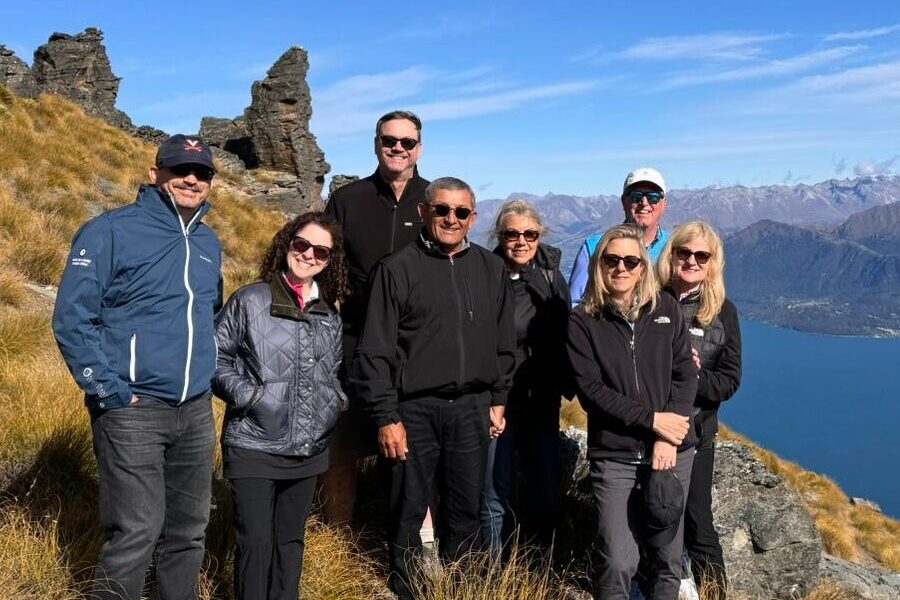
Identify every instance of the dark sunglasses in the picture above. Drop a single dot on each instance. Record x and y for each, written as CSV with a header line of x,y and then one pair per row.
x,y
442,210
684,254
389,141
530,235
301,245
637,196
200,172
612,261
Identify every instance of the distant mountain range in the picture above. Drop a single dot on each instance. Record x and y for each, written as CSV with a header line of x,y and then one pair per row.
x,y
822,258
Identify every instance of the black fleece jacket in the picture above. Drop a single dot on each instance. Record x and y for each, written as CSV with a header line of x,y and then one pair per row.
x,y
375,224
435,326
624,375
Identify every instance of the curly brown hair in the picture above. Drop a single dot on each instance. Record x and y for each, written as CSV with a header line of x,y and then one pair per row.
x,y
333,278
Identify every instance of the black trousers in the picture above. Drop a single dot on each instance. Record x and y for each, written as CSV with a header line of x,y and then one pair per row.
x,y
447,442
700,537
269,527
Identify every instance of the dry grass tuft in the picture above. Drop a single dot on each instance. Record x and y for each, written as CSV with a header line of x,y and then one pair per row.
x,y
478,575
335,568
12,288
572,415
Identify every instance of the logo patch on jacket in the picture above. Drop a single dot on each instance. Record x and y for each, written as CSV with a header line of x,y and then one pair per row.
x,y
696,331
661,320
80,260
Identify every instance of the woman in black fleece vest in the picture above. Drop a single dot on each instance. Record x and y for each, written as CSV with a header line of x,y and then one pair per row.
x,y
690,268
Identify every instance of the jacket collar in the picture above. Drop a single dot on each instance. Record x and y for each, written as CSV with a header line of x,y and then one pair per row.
x,y
158,204
431,248
284,302
384,188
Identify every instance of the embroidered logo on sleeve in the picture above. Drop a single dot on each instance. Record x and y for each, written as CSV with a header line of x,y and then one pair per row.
x,y
661,320
80,260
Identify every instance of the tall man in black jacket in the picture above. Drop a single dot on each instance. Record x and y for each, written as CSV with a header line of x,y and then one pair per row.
x,y
378,215
434,365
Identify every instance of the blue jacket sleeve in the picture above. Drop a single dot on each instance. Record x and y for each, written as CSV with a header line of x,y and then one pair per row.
x,y
578,278
77,319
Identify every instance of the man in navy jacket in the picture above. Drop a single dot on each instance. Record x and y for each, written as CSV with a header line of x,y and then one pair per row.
x,y
134,323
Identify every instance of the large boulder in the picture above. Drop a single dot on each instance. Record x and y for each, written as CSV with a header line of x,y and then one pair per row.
x,y
230,135
278,123
770,542
16,75
76,67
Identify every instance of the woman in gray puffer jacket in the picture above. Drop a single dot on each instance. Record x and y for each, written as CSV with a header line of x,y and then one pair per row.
x,y
279,346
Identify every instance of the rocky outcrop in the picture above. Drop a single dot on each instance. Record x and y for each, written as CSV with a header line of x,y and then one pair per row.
x,y
869,583
770,542
16,75
230,135
771,545
339,181
76,67
277,121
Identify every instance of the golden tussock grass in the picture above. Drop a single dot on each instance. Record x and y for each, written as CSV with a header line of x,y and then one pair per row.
x,y
12,287
572,415
479,575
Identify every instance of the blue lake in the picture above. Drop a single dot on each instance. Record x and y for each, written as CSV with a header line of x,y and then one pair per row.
x,y
831,404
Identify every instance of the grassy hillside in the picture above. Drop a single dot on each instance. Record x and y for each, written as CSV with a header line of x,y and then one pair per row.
x,y
57,169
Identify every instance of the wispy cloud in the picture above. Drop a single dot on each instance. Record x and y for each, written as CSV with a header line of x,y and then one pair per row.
x,y
870,167
871,82
707,145
352,105
721,46
862,34
768,69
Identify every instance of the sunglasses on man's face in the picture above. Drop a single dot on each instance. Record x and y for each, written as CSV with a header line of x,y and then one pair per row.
x,y
389,141
637,196
530,235
200,172
612,261
442,210
301,245
685,254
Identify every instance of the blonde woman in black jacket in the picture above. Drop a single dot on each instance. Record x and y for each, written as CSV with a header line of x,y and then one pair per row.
x,y
631,359
690,268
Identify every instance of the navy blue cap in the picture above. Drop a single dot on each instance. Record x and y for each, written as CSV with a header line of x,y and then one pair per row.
x,y
663,500
183,150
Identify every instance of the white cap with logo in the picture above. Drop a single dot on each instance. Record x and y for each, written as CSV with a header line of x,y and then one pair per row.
x,y
647,174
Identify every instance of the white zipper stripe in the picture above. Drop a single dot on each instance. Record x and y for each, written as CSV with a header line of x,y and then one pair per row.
x,y
132,369
190,306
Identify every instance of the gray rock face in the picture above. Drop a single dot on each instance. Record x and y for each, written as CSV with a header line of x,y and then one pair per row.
x,y
870,583
770,542
231,136
76,67
771,545
278,123
339,181
16,75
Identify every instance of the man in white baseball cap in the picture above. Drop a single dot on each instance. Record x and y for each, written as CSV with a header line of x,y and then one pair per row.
x,y
644,202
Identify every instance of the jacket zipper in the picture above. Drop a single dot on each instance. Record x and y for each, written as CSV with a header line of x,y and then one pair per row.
x,y
459,332
470,309
393,226
132,367
185,229
637,383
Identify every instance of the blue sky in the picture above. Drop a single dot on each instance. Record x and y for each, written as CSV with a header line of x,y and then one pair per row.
x,y
531,96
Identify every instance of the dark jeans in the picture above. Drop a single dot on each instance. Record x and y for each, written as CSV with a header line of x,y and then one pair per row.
x,y
615,488
155,470
529,447
269,527
700,537
447,442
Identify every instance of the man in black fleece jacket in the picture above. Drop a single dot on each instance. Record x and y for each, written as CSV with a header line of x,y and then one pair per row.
x,y
434,365
378,216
